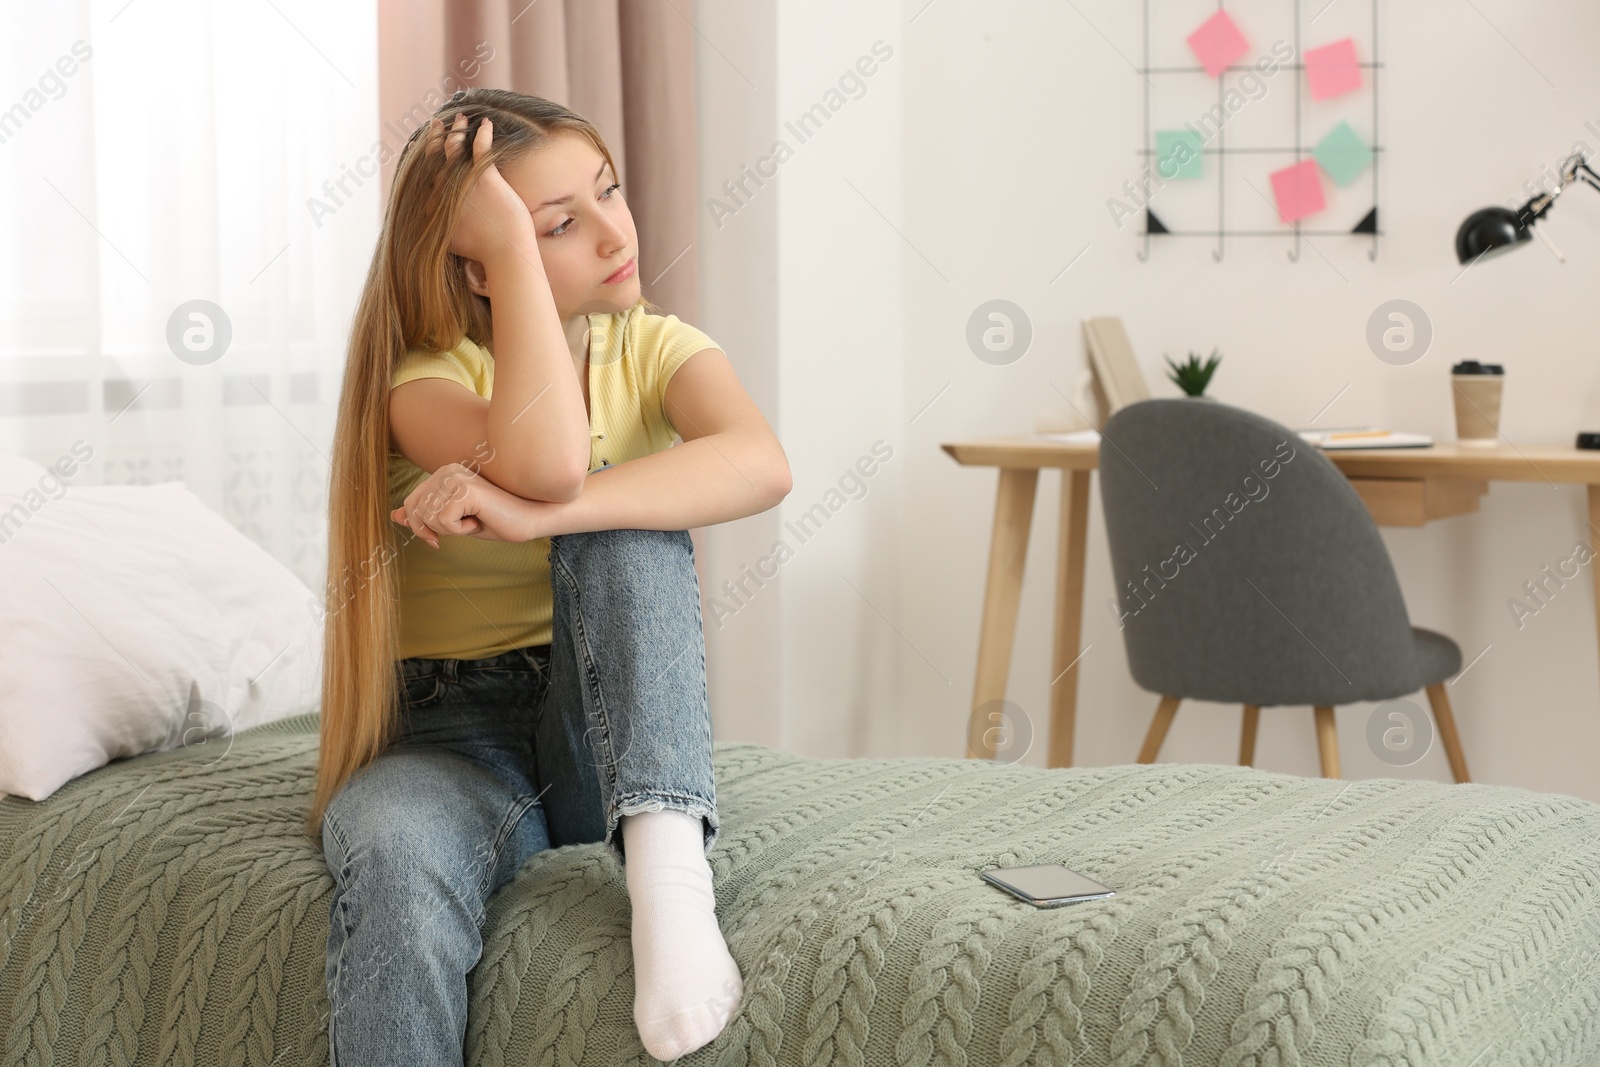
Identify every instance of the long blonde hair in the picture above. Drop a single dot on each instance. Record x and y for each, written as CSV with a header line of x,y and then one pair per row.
x,y
416,296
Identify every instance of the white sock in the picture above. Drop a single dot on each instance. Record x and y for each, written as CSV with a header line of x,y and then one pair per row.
x,y
686,984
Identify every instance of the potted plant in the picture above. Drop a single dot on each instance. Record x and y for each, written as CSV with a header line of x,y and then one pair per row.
x,y
1193,375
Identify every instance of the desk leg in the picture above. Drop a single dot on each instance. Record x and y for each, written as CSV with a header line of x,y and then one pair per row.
x,y
1008,551
1593,541
1069,615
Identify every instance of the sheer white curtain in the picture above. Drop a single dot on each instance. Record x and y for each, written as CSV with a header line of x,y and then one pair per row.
x,y
174,173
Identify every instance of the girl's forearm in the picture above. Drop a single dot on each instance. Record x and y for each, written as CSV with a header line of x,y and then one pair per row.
x,y
536,412
712,479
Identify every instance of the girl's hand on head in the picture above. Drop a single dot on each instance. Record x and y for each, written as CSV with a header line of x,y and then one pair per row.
x,y
453,501
493,222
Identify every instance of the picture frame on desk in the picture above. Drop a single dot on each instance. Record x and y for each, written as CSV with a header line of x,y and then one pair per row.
x,y
1116,380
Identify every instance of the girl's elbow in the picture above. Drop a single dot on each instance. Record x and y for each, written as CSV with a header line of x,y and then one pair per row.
x,y
780,480
552,486
568,485
570,489
564,495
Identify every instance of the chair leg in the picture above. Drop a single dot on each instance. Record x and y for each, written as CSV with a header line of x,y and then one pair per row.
x,y
1165,711
1247,735
1446,721
1327,742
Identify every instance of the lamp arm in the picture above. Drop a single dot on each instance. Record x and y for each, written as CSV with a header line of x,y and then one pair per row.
x,y
1574,169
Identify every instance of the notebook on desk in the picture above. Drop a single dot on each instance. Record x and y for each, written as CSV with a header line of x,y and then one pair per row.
x,y
1071,437
1365,437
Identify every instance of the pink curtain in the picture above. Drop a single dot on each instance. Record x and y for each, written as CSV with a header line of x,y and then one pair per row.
x,y
628,66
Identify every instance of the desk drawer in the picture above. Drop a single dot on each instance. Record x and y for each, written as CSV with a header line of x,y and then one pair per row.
x,y
1414,501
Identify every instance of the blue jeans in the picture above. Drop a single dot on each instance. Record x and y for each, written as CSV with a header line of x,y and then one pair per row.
x,y
498,759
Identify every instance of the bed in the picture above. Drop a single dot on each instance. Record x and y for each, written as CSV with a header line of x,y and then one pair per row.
x,y
165,909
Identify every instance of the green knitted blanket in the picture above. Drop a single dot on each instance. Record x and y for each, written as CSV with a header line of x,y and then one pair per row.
x,y
167,910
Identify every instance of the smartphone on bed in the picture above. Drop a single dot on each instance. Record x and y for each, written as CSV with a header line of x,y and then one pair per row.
x,y
1047,885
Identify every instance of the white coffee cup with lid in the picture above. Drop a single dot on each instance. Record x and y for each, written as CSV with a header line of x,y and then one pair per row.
x,y
1477,388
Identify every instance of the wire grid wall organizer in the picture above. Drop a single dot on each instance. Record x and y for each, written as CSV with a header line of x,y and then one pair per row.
x,y
1178,93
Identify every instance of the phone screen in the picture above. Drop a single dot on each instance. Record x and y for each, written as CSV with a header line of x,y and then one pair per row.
x,y
1047,881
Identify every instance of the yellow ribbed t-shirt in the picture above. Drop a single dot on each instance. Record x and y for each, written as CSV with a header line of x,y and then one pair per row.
x,y
470,598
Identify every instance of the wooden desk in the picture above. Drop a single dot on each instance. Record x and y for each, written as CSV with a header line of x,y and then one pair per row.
x,y
1400,486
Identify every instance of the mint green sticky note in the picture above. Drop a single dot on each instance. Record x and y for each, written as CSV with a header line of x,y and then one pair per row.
x,y
1178,154
1343,154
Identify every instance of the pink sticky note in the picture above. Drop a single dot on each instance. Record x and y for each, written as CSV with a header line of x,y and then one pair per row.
x,y
1217,43
1299,191
1333,69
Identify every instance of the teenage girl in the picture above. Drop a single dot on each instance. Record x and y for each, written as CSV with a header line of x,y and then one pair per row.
x,y
514,655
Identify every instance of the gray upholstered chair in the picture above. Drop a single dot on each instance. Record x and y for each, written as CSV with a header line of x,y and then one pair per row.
x,y
1249,572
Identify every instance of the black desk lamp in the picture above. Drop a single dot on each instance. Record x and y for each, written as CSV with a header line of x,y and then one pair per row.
x,y
1497,229
1494,230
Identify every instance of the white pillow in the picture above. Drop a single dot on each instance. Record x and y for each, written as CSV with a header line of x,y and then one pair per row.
x,y
19,473
136,619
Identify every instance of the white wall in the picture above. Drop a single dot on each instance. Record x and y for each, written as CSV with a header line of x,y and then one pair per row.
x,y
804,270
977,165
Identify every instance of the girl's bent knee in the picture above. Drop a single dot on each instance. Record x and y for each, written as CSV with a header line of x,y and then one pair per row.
x,y
625,546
